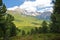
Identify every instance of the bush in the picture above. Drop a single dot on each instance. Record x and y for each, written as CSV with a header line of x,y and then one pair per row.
x,y
23,32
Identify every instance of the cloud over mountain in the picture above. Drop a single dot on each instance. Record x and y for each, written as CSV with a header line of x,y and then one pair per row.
x,y
35,5
38,4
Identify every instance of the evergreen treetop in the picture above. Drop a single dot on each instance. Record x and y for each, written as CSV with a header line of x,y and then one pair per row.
x,y
0,2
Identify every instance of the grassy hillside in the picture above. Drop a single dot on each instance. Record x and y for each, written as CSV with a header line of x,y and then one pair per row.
x,y
25,22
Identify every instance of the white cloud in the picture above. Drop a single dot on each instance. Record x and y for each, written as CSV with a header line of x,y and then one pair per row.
x,y
31,6
13,8
46,9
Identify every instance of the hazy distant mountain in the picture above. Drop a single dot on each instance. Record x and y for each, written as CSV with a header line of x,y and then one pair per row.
x,y
39,15
25,12
45,15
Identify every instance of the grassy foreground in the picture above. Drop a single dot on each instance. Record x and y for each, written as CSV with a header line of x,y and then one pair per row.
x,y
37,37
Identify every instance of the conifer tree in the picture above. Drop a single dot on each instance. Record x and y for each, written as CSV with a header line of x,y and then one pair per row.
x,y
0,2
55,18
23,32
6,24
36,30
44,27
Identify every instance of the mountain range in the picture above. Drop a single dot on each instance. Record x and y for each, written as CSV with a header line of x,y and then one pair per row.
x,y
40,15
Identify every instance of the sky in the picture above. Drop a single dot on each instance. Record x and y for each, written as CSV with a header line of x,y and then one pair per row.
x,y
29,5
11,3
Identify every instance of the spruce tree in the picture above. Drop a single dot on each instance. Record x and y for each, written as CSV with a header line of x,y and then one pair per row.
x,y
6,24
0,2
55,18
23,32
2,18
44,27
36,30
12,30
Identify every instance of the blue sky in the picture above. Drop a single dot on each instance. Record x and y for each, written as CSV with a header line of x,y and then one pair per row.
x,y
11,3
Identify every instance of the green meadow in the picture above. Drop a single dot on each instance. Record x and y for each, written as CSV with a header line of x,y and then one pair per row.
x,y
25,22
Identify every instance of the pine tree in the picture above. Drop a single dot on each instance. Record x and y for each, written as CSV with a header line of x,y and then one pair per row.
x,y
0,2
2,18
55,18
44,27
12,30
40,30
6,24
36,29
23,32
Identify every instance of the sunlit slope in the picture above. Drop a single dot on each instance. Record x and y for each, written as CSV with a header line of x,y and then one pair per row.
x,y
23,20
